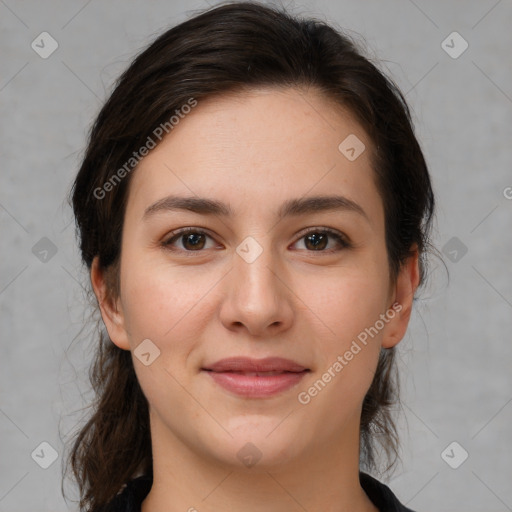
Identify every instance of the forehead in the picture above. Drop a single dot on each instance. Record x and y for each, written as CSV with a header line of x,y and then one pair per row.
x,y
264,145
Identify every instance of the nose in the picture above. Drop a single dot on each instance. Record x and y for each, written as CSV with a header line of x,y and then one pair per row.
x,y
258,298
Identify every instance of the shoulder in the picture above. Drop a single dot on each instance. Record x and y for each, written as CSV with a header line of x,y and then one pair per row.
x,y
130,498
381,495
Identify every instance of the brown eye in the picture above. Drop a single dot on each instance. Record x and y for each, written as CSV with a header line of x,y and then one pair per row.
x,y
191,240
196,241
318,240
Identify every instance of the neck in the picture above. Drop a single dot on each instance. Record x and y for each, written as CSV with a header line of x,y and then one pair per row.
x,y
324,478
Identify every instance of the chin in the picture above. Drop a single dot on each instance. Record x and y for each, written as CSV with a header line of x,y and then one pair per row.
x,y
260,446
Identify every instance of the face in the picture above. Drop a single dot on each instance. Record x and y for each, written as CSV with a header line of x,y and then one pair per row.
x,y
264,272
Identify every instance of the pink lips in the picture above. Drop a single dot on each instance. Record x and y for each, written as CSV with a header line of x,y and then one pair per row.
x,y
256,378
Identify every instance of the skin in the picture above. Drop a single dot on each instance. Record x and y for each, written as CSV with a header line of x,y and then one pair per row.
x,y
254,151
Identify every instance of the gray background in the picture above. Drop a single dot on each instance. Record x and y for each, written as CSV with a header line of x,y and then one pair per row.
x,y
456,358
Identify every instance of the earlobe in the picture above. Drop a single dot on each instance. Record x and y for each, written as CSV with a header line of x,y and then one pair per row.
x,y
111,312
406,284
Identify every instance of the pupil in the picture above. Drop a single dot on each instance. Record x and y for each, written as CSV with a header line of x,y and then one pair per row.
x,y
320,242
193,239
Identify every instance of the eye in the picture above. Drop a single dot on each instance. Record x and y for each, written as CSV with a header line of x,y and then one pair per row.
x,y
192,239
316,240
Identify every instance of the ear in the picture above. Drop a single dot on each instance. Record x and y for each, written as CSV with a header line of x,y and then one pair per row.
x,y
111,310
402,296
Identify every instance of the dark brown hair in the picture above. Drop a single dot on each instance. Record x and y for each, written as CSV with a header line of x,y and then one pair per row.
x,y
232,48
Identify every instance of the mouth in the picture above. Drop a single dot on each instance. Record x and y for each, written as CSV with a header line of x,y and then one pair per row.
x,y
252,378
256,374
250,365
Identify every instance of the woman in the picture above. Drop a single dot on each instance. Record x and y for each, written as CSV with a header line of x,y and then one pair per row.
x,y
254,210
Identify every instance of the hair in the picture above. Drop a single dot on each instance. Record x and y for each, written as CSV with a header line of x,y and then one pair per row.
x,y
233,47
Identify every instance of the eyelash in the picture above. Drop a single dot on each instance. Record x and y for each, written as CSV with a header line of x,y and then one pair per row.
x,y
341,239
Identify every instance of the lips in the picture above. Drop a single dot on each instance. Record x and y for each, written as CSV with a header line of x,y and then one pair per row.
x,y
249,366
256,378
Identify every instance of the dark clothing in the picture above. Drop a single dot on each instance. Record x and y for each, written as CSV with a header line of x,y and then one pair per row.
x,y
132,496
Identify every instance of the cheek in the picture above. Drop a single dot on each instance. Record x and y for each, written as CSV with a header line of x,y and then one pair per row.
x,y
346,354
345,301
346,308
162,302
165,305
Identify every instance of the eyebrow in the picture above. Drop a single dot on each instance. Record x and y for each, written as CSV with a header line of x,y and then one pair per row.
x,y
291,207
